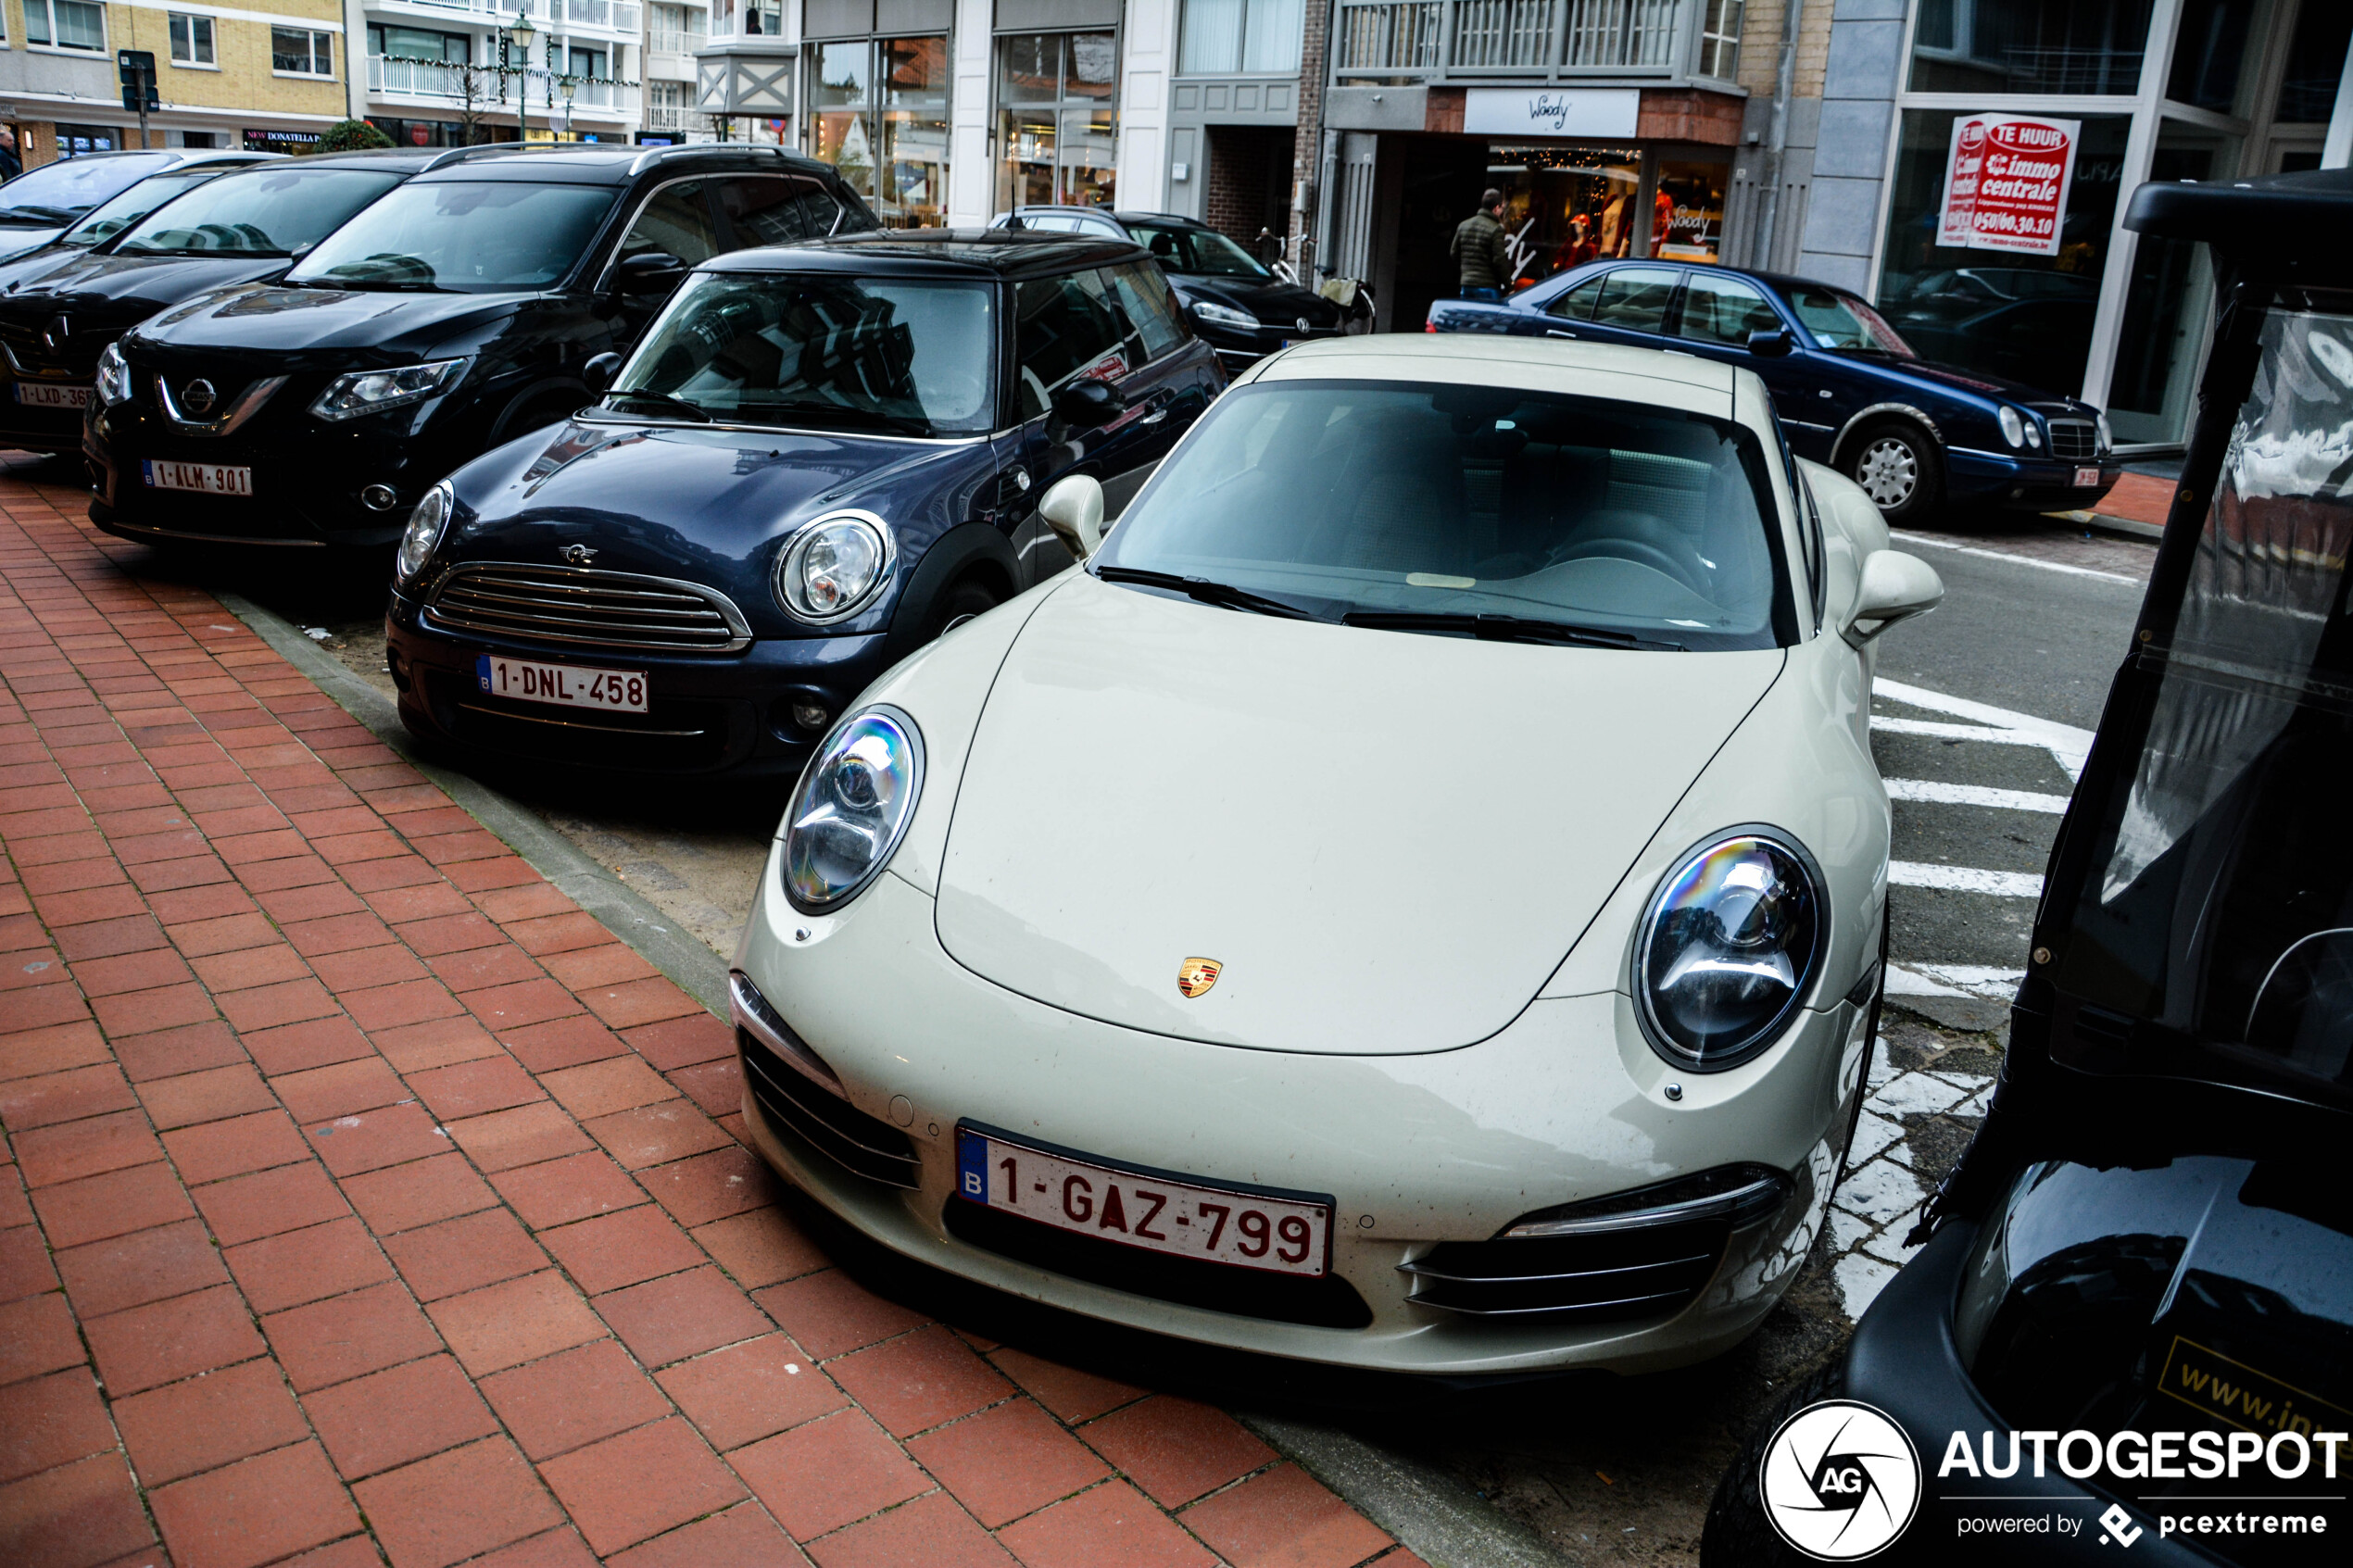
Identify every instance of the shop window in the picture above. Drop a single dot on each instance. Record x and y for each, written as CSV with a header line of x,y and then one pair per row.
x,y
2077,46
2315,63
66,24
191,39
890,146
297,51
1688,222
1723,310
73,140
2210,47
1634,298
1719,39
1056,123
419,43
1225,36
1563,207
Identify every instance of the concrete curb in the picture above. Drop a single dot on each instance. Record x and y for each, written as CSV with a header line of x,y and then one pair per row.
x,y
700,973
2124,527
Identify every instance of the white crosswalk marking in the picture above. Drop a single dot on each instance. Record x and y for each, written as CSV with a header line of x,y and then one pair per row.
x,y
1965,879
2067,745
1945,794
2014,558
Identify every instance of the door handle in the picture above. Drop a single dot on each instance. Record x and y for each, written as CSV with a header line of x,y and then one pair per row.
x,y
1556,331
1154,416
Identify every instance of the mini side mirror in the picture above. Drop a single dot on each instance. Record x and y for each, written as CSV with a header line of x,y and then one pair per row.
x,y
1073,507
1770,343
648,271
598,373
1894,587
1089,402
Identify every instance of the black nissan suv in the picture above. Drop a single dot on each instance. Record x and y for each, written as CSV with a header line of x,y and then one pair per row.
x,y
453,315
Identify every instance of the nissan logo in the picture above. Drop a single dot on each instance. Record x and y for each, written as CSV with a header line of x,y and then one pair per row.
x,y
197,395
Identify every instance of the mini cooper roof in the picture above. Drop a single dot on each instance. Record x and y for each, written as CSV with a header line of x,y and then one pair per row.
x,y
977,253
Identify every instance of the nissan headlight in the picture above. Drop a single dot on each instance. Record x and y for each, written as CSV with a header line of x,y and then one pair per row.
x,y
427,523
833,568
1211,314
850,807
2013,425
114,375
373,392
1729,950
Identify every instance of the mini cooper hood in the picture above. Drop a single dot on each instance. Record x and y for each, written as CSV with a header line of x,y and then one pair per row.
x,y
294,321
1388,841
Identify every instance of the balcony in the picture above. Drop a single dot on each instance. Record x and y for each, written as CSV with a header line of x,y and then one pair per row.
x,y
439,83
669,41
1527,40
677,120
617,16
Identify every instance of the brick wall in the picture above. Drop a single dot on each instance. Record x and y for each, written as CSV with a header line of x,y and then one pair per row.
x,y
1761,46
1307,153
1245,191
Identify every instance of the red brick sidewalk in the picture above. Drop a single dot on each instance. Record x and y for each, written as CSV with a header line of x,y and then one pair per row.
x,y
362,1200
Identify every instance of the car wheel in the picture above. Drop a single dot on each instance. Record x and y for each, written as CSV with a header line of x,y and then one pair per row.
x,y
958,605
1900,469
1737,1534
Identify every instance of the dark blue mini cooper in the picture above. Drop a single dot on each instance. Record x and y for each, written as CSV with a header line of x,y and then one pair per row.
x,y
1849,391
819,459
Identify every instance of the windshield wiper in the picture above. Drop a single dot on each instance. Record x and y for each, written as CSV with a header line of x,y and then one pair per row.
x,y
39,216
661,400
873,418
1206,591
1504,627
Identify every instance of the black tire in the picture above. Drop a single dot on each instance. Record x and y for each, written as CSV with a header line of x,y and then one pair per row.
x,y
1737,1534
1900,468
966,598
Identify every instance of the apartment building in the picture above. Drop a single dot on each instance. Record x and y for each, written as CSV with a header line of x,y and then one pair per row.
x,y
450,72
266,74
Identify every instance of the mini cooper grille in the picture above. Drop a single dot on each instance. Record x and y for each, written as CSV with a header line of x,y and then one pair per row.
x,y
1610,1277
583,608
2075,440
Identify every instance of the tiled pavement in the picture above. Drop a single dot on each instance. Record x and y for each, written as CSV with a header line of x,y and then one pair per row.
x,y
364,1200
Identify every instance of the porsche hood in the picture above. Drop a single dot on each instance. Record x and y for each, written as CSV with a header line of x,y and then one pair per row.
x,y
1385,843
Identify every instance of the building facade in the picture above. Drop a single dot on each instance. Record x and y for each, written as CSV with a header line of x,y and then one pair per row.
x,y
267,74
443,73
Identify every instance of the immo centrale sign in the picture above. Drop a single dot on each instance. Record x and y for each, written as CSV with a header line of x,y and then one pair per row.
x,y
2005,183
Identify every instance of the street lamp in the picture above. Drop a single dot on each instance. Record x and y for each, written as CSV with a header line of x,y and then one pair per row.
x,y
519,34
568,85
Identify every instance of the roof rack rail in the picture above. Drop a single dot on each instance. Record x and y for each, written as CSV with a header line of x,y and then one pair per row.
x,y
459,155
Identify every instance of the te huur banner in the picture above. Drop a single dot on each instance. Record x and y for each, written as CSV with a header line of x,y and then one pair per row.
x,y
2005,183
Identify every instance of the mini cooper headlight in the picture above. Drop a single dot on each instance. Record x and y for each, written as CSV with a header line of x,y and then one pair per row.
x,y
1729,950
427,523
2013,425
1211,314
372,392
853,804
832,568
114,375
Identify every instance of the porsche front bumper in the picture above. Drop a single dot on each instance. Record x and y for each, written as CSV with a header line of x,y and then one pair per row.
x,y
1565,1104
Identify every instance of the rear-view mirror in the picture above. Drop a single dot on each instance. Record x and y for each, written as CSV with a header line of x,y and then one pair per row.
x,y
648,271
598,373
1894,587
1073,507
1088,402
1773,343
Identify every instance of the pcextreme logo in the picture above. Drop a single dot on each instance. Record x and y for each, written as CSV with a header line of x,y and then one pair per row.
x,y
1840,1481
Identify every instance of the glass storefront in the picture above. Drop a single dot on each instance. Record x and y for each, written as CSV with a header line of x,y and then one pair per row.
x,y
878,113
1690,208
2072,46
2167,304
1564,205
1057,119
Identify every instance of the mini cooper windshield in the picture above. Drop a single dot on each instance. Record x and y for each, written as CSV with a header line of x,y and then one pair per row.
x,y
271,212
1467,511
908,356
463,236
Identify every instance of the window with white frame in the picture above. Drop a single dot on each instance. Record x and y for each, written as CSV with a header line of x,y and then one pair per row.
x,y
1719,39
297,51
191,40
1240,35
66,24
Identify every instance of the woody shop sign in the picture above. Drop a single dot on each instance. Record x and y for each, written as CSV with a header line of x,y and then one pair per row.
x,y
2005,183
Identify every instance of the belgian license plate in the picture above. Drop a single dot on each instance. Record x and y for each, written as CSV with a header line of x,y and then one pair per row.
x,y
565,685
1249,1230
2086,477
48,394
205,479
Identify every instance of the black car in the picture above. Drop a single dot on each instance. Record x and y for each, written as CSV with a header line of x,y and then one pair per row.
x,y
116,213
1235,302
40,204
820,458
1850,391
2129,1335
455,314
62,308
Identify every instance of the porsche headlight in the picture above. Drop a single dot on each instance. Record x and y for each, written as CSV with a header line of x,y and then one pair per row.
x,y
1729,950
1211,314
832,568
853,804
422,536
114,375
2013,425
372,392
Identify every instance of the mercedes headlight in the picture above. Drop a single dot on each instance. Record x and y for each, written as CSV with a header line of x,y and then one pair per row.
x,y
853,804
2013,425
1729,950
834,567
114,375
2107,436
372,392
1209,313
427,523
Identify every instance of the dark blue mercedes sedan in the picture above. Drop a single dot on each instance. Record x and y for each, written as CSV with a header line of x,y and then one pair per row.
x,y
1849,391
818,459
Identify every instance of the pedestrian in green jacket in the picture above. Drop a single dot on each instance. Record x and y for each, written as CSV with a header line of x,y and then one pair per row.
x,y
1483,254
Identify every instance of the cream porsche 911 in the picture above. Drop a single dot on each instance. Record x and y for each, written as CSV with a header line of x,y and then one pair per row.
x,y
1413,898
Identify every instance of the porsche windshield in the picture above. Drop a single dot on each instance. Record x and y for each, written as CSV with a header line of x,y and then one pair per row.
x,y
463,236
911,357
274,210
1468,511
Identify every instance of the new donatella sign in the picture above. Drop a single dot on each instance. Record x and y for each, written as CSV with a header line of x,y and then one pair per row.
x,y
2005,183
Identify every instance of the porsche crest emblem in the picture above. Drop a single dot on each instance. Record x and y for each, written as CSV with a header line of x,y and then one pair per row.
x,y
1195,976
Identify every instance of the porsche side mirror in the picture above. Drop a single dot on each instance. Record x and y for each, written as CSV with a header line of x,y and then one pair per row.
x,y
1894,587
1771,343
1089,402
598,373
1073,507
648,271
